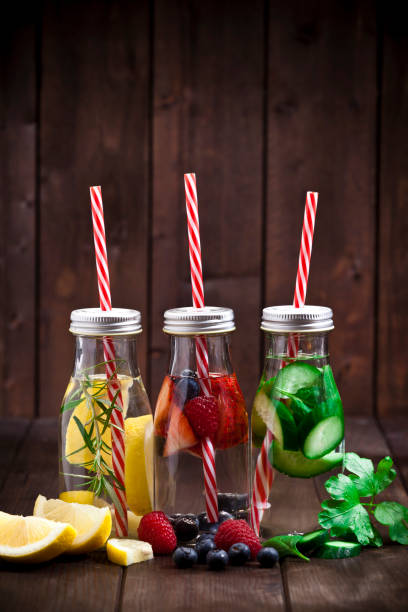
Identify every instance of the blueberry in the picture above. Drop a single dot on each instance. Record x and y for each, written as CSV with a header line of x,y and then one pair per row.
x,y
188,373
206,536
205,524
186,528
268,556
224,516
186,387
203,547
217,560
239,554
184,557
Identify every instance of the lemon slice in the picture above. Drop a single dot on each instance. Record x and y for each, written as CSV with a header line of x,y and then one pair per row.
x,y
133,524
92,524
79,497
29,539
126,552
139,463
76,452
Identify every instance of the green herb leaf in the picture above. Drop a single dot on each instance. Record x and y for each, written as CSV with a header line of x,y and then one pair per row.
x,y
70,405
344,516
385,474
84,434
342,487
364,469
394,515
286,545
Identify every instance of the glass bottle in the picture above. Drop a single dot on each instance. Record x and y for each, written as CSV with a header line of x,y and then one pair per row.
x,y
179,481
298,400
85,446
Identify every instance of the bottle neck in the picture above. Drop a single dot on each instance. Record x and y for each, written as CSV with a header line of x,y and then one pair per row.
x,y
90,359
284,348
183,354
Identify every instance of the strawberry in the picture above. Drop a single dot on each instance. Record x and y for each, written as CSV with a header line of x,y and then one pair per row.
x,y
156,529
233,531
162,411
233,427
180,434
202,413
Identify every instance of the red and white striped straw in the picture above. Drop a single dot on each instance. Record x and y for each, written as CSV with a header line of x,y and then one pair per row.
x,y
197,286
117,422
263,478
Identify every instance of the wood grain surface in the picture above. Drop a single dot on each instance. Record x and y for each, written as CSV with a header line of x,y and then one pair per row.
x,y
18,230
321,137
208,96
94,130
263,101
375,580
393,218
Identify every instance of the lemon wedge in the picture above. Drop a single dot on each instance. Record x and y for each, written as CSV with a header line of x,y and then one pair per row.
x,y
139,463
30,539
78,497
93,525
127,552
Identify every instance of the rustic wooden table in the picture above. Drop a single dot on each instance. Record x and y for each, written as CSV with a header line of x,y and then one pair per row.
x,y
375,580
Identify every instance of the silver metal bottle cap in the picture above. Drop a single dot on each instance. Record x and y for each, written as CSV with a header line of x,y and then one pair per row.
x,y
97,322
189,321
291,319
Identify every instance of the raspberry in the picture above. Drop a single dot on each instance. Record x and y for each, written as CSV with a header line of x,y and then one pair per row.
x,y
157,530
202,413
234,531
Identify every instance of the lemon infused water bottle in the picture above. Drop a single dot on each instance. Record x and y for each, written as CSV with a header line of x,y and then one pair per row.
x,y
85,444
298,401
185,414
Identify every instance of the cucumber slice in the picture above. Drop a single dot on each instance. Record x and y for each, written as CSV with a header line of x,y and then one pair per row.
x,y
297,375
323,438
266,411
312,541
258,426
337,549
294,463
277,418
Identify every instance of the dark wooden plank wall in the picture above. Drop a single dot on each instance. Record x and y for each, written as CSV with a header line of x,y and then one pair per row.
x,y
264,101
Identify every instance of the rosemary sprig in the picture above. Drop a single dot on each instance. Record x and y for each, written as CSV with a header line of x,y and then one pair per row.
x,y
100,478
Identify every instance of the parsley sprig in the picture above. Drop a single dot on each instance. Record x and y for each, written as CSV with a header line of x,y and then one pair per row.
x,y
353,504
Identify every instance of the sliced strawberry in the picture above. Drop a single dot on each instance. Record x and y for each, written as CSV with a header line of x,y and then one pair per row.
x,y
195,450
179,435
233,427
162,412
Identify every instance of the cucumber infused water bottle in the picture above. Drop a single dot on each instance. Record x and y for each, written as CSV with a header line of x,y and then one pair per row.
x,y
298,402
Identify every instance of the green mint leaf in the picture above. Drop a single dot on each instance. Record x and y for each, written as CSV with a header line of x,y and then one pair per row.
x,y
286,545
299,409
394,515
385,474
342,487
345,516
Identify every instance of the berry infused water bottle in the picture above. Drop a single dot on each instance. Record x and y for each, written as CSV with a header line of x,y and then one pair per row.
x,y
190,409
298,402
